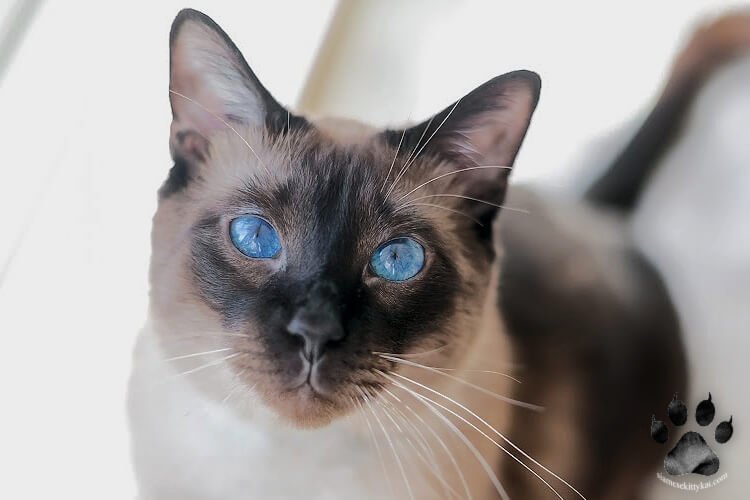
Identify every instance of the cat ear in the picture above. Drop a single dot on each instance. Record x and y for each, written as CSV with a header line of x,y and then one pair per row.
x,y
484,128
211,85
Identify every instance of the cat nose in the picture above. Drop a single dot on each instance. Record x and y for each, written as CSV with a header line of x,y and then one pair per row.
x,y
317,328
317,321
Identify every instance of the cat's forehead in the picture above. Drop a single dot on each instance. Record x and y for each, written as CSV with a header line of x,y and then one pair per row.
x,y
330,159
251,150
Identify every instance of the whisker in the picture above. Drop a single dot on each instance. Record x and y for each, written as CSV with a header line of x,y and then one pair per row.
x,y
447,209
196,354
398,149
288,139
433,465
448,195
411,154
234,389
404,438
491,372
225,123
422,441
418,354
424,444
499,397
442,444
360,404
484,434
207,365
482,461
390,417
454,172
393,449
498,433
470,370
410,162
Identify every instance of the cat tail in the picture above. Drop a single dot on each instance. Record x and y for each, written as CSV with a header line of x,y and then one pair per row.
x,y
707,50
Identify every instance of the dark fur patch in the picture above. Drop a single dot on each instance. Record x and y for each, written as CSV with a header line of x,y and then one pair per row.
x,y
622,355
178,179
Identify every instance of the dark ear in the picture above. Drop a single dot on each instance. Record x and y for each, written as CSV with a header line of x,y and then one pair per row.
x,y
211,85
485,127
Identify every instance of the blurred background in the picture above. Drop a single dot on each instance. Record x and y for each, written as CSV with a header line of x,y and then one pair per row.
x,y
84,120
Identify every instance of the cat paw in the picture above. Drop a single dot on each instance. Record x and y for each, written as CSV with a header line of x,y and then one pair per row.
x,y
691,454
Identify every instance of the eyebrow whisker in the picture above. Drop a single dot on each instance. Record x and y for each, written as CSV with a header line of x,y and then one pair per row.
x,y
454,172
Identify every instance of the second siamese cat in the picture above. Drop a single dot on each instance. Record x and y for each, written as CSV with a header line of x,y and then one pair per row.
x,y
342,312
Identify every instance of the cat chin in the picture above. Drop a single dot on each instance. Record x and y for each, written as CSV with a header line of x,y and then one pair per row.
x,y
305,408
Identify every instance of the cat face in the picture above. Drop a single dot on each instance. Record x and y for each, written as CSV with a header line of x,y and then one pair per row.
x,y
305,248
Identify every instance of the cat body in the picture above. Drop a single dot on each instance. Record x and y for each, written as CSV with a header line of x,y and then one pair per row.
x,y
191,443
343,312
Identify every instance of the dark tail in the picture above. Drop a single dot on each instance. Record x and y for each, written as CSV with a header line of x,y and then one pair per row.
x,y
710,47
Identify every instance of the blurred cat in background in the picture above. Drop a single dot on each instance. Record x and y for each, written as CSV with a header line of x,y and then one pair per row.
x,y
343,312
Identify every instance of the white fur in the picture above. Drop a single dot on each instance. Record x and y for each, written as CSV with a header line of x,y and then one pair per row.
x,y
187,446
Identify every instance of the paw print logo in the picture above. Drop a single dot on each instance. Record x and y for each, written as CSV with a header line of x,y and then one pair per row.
x,y
691,454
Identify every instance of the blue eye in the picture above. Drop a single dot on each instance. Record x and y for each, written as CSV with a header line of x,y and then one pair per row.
x,y
255,237
398,260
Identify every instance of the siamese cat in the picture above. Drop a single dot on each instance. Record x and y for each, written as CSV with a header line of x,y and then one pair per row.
x,y
340,312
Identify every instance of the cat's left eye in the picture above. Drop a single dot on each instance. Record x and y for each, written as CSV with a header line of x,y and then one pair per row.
x,y
398,260
255,237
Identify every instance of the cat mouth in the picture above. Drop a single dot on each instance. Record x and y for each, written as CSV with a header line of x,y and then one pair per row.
x,y
310,401
310,383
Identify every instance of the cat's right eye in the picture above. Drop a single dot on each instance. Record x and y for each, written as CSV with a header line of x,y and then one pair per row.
x,y
255,237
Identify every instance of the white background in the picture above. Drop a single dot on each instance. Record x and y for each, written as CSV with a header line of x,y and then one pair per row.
x,y
84,119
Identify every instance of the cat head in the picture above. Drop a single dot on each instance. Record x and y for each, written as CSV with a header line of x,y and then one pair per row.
x,y
303,249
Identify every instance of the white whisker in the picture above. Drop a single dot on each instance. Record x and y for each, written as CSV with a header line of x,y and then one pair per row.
x,y
470,370
288,139
393,449
409,162
207,365
408,159
499,397
453,210
418,354
482,461
225,123
498,433
454,172
484,434
196,354
447,195
430,461
398,149
375,441
405,420
390,417
442,444
491,372
404,438
234,389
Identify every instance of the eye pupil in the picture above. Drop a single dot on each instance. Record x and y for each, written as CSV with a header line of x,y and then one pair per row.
x,y
398,260
255,237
